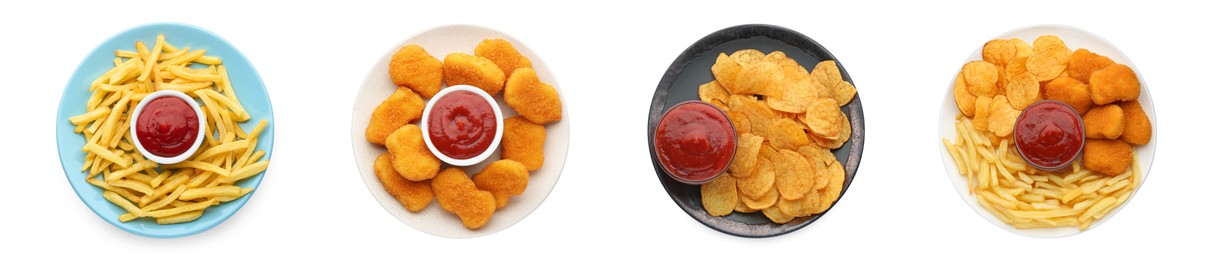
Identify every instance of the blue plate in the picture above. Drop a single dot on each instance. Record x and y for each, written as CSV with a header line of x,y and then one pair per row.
x,y
244,79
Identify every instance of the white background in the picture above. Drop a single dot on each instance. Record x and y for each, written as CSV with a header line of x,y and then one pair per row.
x,y
608,57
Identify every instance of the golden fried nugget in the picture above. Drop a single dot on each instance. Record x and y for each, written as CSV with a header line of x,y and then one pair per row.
x,y
725,71
1114,83
1069,91
457,194
1104,122
823,118
747,57
980,77
524,142
414,68
983,114
504,179
759,182
1048,62
999,51
531,98
785,134
410,155
1084,62
399,109
414,195
794,175
720,196
1110,157
775,215
961,95
1023,49
501,52
1137,124
747,151
480,72
763,78
1023,90
1003,117
768,199
713,92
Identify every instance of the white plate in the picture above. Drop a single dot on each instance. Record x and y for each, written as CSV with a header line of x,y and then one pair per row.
x,y
439,42
1075,39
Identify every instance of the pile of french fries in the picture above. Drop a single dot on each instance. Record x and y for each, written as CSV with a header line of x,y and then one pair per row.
x,y
1025,197
180,192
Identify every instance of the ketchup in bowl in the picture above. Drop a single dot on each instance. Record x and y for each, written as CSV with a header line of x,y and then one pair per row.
x,y
462,125
167,126
1049,135
695,142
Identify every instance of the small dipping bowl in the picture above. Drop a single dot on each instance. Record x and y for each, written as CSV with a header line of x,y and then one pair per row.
x,y
427,118
1049,135
695,142
136,120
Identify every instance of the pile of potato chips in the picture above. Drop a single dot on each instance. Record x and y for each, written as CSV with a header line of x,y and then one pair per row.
x,y
992,92
414,176
788,120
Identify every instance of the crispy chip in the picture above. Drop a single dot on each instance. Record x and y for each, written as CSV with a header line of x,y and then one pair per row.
x,y
961,95
763,202
1017,66
1023,90
759,182
785,134
1002,120
1048,41
758,114
836,186
1048,62
1084,62
844,92
742,124
1023,50
980,77
983,114
504,179
794,174
845,133
795,97
531,98
747,151
776,215
742,207
725,71
999,51
399,109
480,72
1114,83
413,67
720,196
763,78
524,142
747,57
812,203
823,118
828,73
414,195
794,208
712,91
410,155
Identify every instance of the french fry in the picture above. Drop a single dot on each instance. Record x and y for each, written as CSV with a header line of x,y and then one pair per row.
x,y
192,194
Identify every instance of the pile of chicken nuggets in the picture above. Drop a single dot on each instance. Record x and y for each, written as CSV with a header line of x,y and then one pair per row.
x,y
414,176
1013,75
788,119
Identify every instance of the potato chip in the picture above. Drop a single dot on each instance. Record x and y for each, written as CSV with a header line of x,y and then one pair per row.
x,y
524,142
747,150
410,155
742,124
480,72
819,158
712,91
1104,122
411,66
767,153
980,77
1047,63
999,51
748,57
1023,50
1017,66
1137,124
504,179
720,196
1084,62
775,215
457,194
759,182
531,98
823,118
1048,41
836,186
961,95
1114,83
742,207
795,97
828,73
792,208
813,202
414,195
844,92
759,115
399,109
1069,91
983,114
794,174
759,203
785,134
1023,90
501,52
790,67
1002,120
763,78
845,133
725,71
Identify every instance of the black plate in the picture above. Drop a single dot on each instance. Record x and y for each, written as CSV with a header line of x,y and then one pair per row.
x,y
680,83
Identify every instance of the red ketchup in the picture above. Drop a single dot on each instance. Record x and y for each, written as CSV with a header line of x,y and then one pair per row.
x,y
1049,135
461,125
695,142
167,126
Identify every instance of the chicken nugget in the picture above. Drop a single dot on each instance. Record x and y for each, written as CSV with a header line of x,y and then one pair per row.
x,y
457,194
1110,157
1069,91
466,69
1104,122
504,179
1084,62
399,109
1114,83
502,54
531,98
1137,124
414,195
410,155
524,142
414,68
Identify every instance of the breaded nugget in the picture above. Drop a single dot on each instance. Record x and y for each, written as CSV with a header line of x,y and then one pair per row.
x,y
1104,122
466,69
399,109
414,68
524,142
1110,157
531,98
1069,91
1114,83
1084,62
414,195
503,54
1137,124
504,179
410,155
457,194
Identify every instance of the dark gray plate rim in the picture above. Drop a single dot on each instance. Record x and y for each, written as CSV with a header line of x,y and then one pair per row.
x,y
849,154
